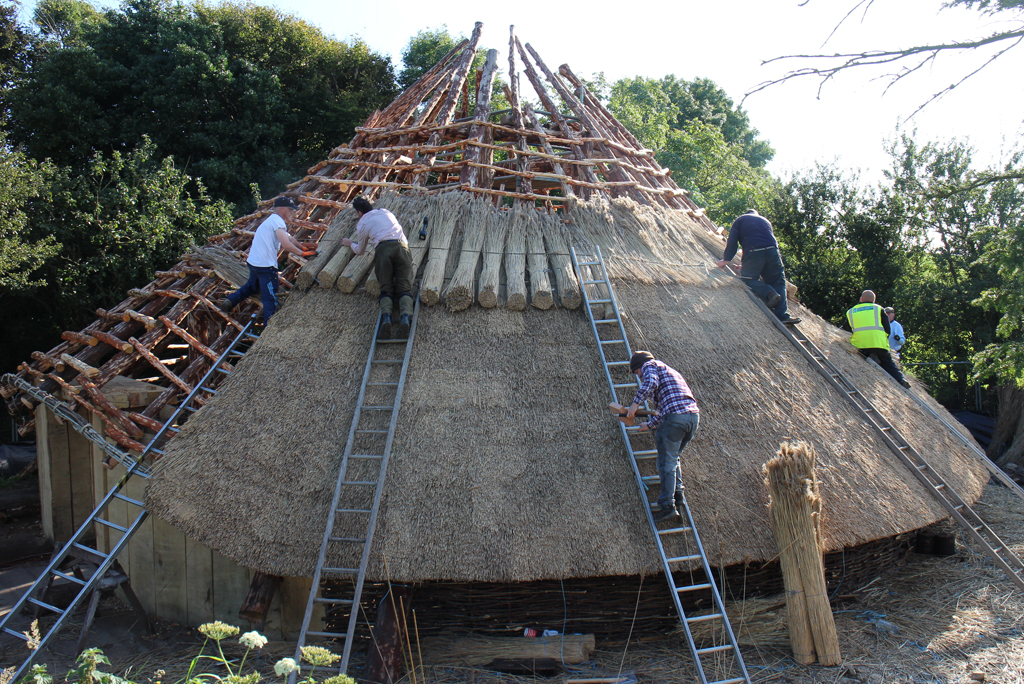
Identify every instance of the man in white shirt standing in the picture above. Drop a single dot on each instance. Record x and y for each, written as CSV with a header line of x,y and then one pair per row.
x,y
271,236
392,263
896,337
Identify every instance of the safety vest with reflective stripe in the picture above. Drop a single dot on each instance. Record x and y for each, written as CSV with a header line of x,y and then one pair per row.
x,y
866,323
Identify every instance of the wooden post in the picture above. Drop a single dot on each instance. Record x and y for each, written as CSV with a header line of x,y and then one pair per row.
x,y
482,111
795,512
384,662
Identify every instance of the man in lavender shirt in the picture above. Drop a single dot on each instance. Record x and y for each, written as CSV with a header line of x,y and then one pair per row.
x,y
392,263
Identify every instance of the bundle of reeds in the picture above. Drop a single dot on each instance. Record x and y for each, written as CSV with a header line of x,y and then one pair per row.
x,y
355,270
329,274
227,264
537,261
571,649
328,247
459,293
444,215
795,513
515,258
494,249
561,262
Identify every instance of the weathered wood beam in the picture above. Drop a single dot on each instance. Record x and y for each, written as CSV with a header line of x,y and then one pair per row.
x,y
483,110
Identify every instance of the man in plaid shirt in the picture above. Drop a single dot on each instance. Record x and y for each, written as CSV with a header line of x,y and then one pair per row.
x,y
674,426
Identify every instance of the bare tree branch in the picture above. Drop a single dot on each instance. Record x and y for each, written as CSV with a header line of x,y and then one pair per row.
x,y
832,65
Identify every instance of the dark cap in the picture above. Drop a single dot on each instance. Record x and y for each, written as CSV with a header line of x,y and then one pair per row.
x,y
638,359
286,202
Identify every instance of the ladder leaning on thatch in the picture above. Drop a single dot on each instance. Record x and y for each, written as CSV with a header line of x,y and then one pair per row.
x,y
100,518
352,517
976,529
723,659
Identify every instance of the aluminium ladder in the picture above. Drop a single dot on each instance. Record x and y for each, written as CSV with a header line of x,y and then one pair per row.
x,y
1003,557
727,654
361,471
136,467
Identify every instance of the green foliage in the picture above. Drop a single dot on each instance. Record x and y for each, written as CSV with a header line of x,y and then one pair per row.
x,y
645,109
236,92
714,171
423,51
63,23
16,44
20,256
124,217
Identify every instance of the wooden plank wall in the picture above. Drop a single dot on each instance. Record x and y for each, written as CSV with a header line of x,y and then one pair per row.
x,y
65,465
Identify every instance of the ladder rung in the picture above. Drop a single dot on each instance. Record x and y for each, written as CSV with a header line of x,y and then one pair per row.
x,y
714,649
617,363
45,606
607,320
207,389
588,263
394,340
624,385
683,559
613,341
344,571
940,486
130,500
21,636
117,527
646,453
734,680
594,282
346,539
923,466
600,301
330,635
359,483
705,618
223,370
904,447
675,530
374,432
365,456
91,553
378,408
334,601
382,384
351,510
693,587
70,578
886,429
386,361
154,450
651,478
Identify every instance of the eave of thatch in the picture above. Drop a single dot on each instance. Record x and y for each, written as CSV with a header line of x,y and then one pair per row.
x,y
505,466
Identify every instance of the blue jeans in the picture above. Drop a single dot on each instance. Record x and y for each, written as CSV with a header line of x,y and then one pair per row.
x,y
262,279
766,265
673,434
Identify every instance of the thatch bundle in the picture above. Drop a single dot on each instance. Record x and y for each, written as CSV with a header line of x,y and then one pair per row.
x,y
475,224
537,260
561,262
329,245
571,649
515,258
795,513
445,213
228,264
494,248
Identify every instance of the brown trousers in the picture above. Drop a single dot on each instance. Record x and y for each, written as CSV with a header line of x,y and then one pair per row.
x,y
392,264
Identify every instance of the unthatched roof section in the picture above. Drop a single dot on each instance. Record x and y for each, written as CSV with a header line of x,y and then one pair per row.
x,y
506,466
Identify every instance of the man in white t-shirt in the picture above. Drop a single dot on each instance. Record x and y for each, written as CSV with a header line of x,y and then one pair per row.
x,y
392,263
271,236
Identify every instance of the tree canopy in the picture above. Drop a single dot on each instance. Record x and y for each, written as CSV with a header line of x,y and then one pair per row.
x,y
236,93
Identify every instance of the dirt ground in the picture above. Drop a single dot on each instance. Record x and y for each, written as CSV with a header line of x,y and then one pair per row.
x,y
931,621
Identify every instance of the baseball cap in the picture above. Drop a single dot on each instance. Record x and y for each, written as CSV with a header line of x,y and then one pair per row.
x,y
286,202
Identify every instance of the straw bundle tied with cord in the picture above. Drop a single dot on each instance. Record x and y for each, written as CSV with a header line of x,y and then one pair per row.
x,y
795,512
537,260
228,264
459,293
515,258
446,211
494,249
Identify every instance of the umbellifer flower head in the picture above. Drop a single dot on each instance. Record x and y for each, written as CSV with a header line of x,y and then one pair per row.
x,y
251,678
253,640
339,679
319,656
217,630
285,666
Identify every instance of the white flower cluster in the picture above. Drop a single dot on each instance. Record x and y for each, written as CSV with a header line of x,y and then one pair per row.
x,y
253,640
285,666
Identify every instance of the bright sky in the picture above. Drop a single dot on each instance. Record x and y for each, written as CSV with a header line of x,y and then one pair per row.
x,y
726,41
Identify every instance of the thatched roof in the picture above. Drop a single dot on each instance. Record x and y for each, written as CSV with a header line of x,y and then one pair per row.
x,y
506,466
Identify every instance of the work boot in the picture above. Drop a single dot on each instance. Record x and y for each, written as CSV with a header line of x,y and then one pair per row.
x,y
402,331
666,514
790,320
905,383
385,327
773,300
678,499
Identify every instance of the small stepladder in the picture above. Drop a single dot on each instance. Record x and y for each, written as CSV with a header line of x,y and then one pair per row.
x,y
1002,556
107,572
352,518
721,663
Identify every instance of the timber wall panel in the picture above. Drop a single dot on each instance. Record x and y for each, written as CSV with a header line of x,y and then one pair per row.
x,y
170,574
199,590
43,420
231,584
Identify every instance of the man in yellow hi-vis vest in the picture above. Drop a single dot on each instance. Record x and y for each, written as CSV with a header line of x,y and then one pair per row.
x,y
870,326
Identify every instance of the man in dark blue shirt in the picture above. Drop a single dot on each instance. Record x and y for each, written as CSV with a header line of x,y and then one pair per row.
x,y
762,269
